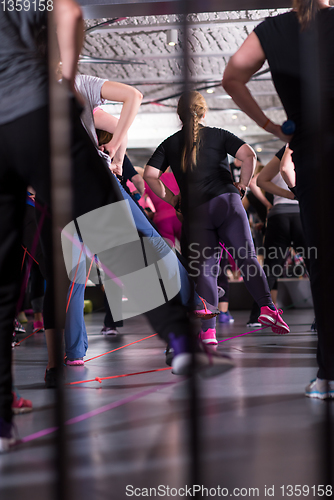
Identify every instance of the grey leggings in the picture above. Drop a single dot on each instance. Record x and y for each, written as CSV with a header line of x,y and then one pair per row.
x,y
223,220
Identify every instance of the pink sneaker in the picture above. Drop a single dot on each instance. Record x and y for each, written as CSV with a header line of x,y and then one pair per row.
x,y
21,405
205,310
208,337
38,326
74,362
271,318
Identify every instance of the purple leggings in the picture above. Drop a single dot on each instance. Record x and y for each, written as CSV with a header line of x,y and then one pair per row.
x,y
223,220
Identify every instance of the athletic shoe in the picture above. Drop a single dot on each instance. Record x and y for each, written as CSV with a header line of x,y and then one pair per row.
x,y
271,318
225,317
254,324
208,362
205,310
22,318
21,405
74,362
314,326
208,337
109,331
38,327
320,389
7,438
51,376
169,352
18,328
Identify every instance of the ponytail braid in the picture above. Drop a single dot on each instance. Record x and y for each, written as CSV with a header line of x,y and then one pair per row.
x,y
191,109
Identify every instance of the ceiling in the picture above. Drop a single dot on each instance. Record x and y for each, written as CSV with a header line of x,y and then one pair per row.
x,y
134,50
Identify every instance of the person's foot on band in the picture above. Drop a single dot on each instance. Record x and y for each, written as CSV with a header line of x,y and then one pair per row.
x,y
208,337
270,316
205,310
38,327
320,389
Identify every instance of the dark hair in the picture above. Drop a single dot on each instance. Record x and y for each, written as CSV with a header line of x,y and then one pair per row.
x,y
191,108
103,136
306,11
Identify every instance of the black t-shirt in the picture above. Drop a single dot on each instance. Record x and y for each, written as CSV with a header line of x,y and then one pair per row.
x,y
211,176
287,50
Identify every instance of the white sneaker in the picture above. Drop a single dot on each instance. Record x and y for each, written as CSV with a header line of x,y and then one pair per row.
x,y
320,389
109,331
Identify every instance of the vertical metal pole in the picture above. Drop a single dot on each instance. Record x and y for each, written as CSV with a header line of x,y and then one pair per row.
x,y
61,204
194,444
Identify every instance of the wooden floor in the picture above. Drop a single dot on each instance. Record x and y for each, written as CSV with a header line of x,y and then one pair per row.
x,y
258,430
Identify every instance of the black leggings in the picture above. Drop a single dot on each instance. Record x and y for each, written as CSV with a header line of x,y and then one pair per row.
x,y
283,231
223,220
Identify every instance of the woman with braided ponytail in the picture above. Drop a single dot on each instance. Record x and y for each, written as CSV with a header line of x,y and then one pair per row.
x,y
299,48
211,206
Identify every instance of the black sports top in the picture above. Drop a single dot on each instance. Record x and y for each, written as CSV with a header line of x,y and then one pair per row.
x,y
288,51
211,176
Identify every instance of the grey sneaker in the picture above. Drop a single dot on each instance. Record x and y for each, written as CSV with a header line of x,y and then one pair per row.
x,y
320,389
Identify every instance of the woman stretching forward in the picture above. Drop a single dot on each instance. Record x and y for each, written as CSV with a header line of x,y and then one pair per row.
x,y
211,205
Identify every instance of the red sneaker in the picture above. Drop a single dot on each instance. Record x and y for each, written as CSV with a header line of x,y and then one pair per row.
x,y
21,405
271,318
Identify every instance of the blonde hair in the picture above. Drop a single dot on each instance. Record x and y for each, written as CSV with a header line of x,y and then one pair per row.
x,y
191,108
306,11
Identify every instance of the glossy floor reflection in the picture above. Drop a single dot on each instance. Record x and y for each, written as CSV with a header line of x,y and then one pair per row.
x,y
257,428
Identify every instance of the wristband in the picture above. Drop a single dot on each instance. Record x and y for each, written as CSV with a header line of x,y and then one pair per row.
x,y
266,124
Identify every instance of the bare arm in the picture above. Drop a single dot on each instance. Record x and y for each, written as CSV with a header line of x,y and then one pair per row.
x,y
131,99
267,174
151,176
248,158
105,121
256,190
287,168
240,68
139,183
70,32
